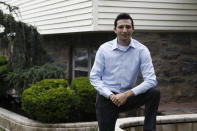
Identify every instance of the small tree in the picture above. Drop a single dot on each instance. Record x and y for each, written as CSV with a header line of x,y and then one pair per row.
x,y
22,42
23,45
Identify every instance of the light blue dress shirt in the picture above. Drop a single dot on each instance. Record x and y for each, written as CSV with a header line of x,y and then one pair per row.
x,y
116,68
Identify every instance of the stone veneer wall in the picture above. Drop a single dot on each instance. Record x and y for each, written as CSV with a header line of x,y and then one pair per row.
x,y
175,60
174,57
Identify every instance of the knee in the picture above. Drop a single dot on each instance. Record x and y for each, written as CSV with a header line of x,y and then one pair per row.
x,y
155,92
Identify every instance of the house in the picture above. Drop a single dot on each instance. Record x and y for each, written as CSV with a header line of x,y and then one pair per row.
x,y
72,31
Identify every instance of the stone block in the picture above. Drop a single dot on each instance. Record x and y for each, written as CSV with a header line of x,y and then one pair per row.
x,y
171,56
164,36
159,128
184,127
177,80
194,126
188,66
139,128
170,119
172,49
168,127
182,39
189,51
170,73
153,46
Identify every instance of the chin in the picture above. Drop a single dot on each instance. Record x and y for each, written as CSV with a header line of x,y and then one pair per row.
x,y
125,39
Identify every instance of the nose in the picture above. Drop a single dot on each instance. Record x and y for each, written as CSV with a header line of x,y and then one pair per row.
x,y
124,29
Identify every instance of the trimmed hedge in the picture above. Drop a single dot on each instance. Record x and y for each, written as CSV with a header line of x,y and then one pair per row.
x,y
85,94
48,100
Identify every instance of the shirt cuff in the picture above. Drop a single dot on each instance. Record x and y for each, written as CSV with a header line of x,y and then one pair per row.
x,y
136,91
107,94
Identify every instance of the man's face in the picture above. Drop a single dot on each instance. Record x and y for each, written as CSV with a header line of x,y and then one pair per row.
x,y
124,29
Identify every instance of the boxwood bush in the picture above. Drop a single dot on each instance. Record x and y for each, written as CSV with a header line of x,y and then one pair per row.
x,y
49,100
85,94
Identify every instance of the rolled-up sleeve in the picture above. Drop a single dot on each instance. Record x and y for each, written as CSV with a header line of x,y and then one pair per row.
x,y
148,73
97,72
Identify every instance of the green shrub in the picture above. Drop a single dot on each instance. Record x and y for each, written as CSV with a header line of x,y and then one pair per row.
x,y
85,94
48,100
3,60
3,71
21,80
3,65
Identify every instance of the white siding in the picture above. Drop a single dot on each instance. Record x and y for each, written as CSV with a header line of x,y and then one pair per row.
x,y
56,16
150,14
65,16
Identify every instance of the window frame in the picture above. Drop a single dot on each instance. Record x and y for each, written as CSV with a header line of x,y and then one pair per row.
x,y
90,62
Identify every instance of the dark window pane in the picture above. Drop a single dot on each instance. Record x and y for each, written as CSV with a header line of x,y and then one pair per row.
x,y
81,73
93,53
81,57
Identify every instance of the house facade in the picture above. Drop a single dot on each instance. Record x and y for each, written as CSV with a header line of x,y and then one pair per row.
x,y
73,30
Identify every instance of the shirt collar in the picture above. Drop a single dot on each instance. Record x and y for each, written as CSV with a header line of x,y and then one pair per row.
x,y
115,44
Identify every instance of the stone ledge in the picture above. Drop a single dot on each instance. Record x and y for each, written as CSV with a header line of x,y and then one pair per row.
x,y
15,122
169,119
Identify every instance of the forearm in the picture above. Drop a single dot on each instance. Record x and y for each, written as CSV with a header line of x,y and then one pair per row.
x,y
144,86
96,81
129,93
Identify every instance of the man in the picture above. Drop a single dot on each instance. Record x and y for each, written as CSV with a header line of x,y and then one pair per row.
x,y
114,75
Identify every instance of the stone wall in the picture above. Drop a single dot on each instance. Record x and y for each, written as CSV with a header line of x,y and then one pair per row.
x,y
175,60
10,121
59,52
174,57
182,122
60,46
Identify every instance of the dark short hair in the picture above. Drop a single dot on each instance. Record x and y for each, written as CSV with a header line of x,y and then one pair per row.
x,y
123,16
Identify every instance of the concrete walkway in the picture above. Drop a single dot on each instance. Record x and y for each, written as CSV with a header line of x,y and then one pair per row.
x,y
178,108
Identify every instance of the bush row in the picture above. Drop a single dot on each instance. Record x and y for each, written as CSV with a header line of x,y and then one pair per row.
x,y
53,101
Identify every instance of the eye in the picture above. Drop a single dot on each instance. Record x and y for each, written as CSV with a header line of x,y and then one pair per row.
x,y
128,26
121,27
124,26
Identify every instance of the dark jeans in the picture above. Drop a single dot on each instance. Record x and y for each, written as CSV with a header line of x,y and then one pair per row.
x,y
107,112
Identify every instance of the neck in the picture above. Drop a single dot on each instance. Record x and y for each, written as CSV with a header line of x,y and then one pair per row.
x,y
124,42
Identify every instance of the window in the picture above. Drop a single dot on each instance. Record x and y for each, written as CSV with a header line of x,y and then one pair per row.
x,y
83,60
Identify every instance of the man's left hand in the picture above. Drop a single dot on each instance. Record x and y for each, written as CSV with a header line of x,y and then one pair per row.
x,y
120,99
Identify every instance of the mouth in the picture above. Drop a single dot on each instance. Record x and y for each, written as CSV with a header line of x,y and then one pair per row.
x,y
125,35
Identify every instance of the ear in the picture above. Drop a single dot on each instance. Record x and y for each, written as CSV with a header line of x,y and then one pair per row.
x,y
115,30
133,30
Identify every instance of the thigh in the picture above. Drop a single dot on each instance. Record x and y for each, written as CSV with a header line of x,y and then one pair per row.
x,y
139,100
106,113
